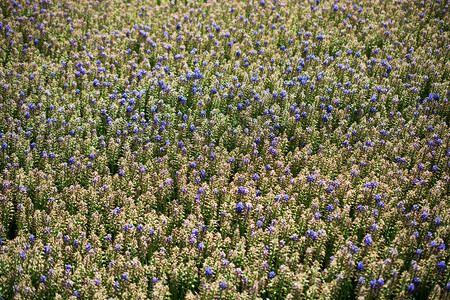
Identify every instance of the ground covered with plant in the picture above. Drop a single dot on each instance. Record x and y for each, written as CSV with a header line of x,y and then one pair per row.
x,y
224,149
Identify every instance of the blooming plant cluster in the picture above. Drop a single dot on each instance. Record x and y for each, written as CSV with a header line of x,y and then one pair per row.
x,y
274,149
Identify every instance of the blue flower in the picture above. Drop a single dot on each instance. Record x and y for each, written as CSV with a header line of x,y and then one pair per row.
x,y
441,266
272,275
223,285
209,272
368,240
311,178
437,222
242,190
360,266
142,169
201,246
47,249
329,208
71,161
239,207
97,281
125,276
424,216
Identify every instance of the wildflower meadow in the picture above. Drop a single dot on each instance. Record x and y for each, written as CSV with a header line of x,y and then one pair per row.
x,y
272,149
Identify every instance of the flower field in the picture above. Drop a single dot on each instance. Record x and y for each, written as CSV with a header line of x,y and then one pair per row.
x,y
224,149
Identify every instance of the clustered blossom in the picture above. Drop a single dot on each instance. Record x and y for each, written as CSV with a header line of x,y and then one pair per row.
x,y
224,149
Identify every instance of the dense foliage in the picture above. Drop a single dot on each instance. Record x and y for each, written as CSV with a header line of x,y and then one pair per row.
x,y
224,149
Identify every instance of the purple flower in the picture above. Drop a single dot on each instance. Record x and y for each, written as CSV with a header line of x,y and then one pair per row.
x,y
115,211
127,227
424,216
97,281
368,240
272,275
242,190
371,185
125,276
360,266
201,246
47,249
43,279
441,266
239,207
142,169
209,272
329,208
437,222
223,285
